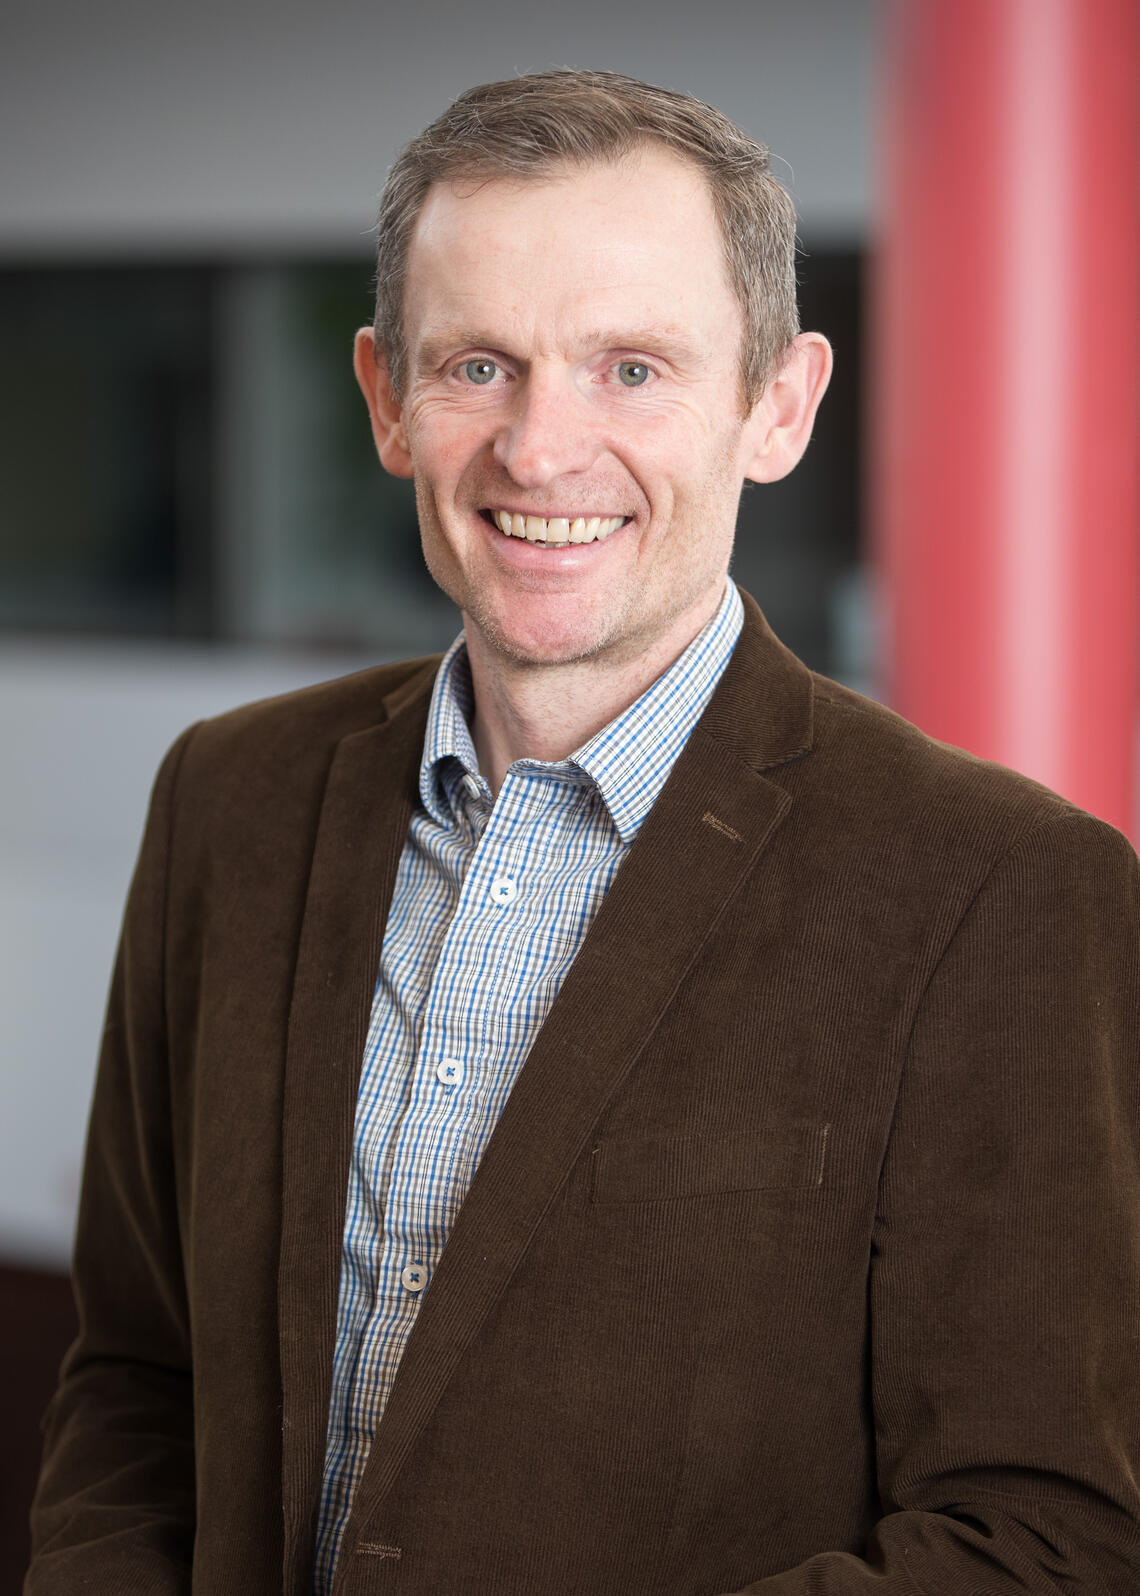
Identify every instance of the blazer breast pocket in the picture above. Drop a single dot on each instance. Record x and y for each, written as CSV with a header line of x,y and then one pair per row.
x,y
783,1158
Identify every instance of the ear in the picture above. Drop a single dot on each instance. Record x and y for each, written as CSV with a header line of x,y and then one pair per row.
x,y
384,412
779,428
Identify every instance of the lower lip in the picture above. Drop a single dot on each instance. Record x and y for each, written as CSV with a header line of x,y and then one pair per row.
x,y
523,555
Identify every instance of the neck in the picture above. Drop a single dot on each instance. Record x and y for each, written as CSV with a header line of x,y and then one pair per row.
x,y
525,710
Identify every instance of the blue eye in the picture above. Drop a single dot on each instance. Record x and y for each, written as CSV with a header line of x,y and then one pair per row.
x,y
480,370
633,373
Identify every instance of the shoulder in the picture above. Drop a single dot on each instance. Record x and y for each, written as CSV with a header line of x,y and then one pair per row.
x,y
862,777
321,714
878,783
265,764
302,728
889,752
865,784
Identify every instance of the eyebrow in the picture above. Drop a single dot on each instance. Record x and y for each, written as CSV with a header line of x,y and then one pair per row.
x,y
431,351
669,342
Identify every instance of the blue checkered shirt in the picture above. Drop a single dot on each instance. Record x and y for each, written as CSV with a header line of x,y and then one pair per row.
x,y
491,903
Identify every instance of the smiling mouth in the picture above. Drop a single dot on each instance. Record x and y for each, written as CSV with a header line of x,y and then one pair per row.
x,y
554,531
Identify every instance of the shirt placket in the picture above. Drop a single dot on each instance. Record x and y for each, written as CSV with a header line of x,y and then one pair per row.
x,y
461,1047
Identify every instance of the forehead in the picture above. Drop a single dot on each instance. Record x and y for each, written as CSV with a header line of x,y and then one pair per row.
x,y
636,238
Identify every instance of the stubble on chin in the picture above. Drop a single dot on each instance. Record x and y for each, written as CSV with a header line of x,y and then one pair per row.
x,y
598,639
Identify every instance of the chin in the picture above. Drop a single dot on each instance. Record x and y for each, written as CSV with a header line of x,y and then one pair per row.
x,y
547,636
544,650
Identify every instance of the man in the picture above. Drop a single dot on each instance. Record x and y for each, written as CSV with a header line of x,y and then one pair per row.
x,y
748,1080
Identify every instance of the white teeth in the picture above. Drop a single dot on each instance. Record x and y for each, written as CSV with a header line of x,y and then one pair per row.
x,y
558,529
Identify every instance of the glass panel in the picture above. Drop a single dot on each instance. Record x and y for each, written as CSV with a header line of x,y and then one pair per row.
x,y
321,546
105,423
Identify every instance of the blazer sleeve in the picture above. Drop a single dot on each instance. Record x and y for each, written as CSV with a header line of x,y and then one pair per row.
x,y
114,1510
1005,1275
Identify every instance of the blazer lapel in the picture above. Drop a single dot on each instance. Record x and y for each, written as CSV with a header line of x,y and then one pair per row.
x,y
706,832
363,823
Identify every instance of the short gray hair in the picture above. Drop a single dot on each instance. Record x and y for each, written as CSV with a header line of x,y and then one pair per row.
x,y
529,126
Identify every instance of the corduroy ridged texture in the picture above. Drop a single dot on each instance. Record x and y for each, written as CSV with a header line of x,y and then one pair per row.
x,y
803,1261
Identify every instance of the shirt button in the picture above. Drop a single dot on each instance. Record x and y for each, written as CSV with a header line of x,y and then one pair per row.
x,y
503,889
413,1277
450,1072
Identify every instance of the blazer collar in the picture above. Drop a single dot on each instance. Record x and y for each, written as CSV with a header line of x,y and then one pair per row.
x,y
764,704
369,794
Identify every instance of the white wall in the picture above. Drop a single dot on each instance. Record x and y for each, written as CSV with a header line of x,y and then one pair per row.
x,y
230,125
83,728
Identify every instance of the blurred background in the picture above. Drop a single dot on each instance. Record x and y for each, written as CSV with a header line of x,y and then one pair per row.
x,y
191,514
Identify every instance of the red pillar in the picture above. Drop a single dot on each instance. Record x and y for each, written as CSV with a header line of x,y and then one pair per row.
x,y
1006,400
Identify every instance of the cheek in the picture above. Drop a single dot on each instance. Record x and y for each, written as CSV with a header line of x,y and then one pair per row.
x,y
426,513
686,446
689,476
447,429
442,561
440,447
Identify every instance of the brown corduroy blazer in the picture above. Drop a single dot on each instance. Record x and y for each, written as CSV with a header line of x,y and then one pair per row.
x,y
805,1257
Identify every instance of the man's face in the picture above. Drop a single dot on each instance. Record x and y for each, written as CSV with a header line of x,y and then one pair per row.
x,y
573,349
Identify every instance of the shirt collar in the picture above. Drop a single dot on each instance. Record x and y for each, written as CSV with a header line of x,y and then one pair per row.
x,y
628,761
449,751
631,758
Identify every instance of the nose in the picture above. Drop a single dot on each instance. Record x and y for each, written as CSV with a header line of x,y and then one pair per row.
x,y
548,433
